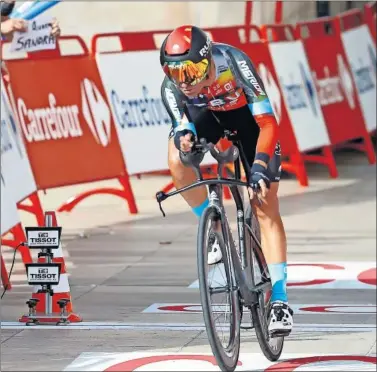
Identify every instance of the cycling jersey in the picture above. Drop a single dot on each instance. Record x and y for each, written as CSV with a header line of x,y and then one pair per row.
x,y
237,84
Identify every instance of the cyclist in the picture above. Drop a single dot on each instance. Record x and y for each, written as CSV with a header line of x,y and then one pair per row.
x,y
208,87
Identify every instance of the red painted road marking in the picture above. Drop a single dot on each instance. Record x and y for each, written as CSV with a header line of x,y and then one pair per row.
x,y
133,364
293,364
368,277
370,309
205,361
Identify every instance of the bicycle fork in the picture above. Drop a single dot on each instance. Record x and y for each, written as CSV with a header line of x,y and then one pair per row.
x,y
240,273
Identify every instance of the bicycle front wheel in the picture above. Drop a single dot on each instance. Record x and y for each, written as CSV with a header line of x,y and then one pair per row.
x,y
219,295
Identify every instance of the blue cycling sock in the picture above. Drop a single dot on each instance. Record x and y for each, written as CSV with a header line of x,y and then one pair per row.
x,y
278,273
200,208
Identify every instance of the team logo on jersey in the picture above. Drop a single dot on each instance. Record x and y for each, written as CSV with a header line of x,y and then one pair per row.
x,y
250,77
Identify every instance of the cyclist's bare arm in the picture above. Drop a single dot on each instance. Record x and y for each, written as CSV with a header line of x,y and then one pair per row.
x,y
259,105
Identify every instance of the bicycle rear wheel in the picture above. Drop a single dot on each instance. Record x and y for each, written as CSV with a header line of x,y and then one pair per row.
x,y
271,347
211,285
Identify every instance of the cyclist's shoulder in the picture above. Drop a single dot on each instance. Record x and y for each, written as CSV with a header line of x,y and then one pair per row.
x,y
228,50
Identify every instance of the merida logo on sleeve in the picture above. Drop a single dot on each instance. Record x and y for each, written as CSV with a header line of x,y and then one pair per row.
x,y
173,104
250,77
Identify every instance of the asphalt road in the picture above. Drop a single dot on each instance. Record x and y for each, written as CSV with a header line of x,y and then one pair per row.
x,y
124,271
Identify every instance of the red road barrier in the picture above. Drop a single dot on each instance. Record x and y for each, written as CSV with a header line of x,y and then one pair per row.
x,y
69,119
335,86
360,49
17,237
370,17
298,154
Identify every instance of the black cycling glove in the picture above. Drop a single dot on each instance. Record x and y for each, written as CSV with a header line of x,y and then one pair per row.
x,y
180,134
259,172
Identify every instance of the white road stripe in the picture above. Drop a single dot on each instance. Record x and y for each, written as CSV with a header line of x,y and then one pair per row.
x,y
299,328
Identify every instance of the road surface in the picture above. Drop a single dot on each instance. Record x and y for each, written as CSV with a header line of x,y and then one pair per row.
x,y
133,280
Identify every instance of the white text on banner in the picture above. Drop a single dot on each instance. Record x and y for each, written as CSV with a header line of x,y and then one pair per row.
x,y
15,165
361,53
133,86
299,93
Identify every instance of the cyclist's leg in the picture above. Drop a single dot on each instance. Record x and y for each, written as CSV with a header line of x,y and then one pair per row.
x,y
206,127
273,236
274,239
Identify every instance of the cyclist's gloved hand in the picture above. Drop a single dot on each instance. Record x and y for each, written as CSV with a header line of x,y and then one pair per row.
x,y
184,140
259,178
184,137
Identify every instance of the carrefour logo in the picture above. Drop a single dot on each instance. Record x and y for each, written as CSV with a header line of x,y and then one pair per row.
x,y
139,112
308,87
96,112
295,96
365,73
299,94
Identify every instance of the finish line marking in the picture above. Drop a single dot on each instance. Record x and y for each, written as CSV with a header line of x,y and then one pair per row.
x,y
183,326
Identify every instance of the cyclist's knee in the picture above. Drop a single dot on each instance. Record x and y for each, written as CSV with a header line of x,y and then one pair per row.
x,y
179,172
269,209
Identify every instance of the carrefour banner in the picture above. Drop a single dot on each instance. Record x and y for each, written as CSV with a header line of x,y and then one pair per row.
x,y
361,54
132,82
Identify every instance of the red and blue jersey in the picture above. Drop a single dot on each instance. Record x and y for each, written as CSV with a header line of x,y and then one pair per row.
x,y
237,84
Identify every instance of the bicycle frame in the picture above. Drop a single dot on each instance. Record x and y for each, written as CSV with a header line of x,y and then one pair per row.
x,y
242,265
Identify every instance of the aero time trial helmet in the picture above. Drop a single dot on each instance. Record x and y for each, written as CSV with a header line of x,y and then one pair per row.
x,y
186,54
